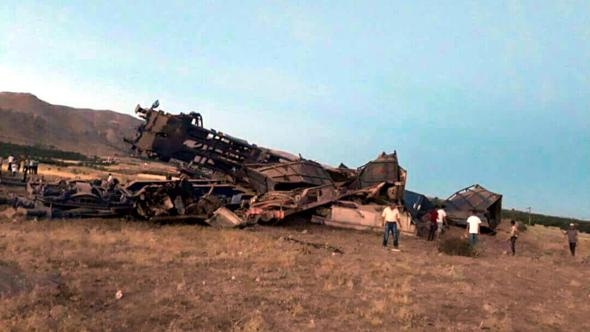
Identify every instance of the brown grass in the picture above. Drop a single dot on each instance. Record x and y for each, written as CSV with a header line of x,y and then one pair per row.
x,y
194,278
64,274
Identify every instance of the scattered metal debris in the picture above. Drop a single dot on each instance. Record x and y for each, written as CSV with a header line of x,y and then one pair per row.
x,y
314,245
238,184
279,183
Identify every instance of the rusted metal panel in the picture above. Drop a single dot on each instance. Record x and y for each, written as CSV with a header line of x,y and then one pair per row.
x,y
475,198
287,176
225,218
384,169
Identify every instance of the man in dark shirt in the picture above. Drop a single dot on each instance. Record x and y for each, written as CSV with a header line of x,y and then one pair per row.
x,y
572,237
433,215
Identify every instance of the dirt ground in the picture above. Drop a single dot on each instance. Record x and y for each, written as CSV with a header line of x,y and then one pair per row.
x,y
65,275
119,275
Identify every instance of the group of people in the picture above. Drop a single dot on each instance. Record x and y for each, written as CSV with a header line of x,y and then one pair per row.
x,y
571,233
14,166
437,218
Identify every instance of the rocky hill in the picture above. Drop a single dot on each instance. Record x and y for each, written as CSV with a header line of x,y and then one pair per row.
x,y
25,119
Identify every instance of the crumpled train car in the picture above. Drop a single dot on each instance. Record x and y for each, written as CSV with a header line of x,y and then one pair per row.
x,y
487,204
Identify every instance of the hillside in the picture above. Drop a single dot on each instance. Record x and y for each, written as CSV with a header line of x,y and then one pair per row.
x,y
27,120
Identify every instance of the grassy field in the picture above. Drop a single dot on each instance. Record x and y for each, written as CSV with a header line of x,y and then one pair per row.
x,y
118,275
64,275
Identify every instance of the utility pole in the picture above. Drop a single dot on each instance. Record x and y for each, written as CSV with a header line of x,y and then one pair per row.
x,y
529,208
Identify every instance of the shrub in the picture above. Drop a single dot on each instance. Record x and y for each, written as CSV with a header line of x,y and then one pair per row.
x,y
457,247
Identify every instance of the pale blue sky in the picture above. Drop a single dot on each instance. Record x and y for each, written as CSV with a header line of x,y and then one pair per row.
x,y
489,92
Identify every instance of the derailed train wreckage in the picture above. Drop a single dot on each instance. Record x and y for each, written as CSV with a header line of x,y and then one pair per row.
x,y
271,184
229,182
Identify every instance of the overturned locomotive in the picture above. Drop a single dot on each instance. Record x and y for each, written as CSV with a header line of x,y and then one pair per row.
x,y
278,184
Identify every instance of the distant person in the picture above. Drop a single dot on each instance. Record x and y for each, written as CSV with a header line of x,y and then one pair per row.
x,y
391,218
473,226
513,236
25,169
432,217
28,166
14,168
10,161
441,219
31,166
35,166
572,237
112,182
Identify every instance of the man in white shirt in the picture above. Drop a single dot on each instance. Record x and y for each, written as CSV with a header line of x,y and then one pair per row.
x,y
10,161
391,218
473,223
14,168
441,218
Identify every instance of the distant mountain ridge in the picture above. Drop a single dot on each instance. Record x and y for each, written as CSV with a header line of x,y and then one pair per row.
x,y
28,120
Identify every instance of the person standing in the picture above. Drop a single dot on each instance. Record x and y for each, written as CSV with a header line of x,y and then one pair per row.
x,y
473,226
391,218
10,161
513,236
14,168
432,216
35,165
441,219
26,166
572,237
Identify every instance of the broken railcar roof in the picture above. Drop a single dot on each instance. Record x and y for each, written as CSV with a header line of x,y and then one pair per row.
x,y
474,197
287,176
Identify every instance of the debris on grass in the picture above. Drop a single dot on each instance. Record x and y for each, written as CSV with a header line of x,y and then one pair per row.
x,y
326,246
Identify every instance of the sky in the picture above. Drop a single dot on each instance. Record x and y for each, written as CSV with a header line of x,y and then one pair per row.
x,y
488,92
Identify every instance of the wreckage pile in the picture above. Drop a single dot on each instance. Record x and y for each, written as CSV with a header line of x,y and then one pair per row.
x,y
233,183
269,185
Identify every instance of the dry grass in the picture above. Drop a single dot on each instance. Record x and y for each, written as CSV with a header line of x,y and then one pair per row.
x,y
126,170
193,278
64,275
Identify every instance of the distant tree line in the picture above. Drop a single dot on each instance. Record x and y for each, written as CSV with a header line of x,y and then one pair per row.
x,y
38,152
541,219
